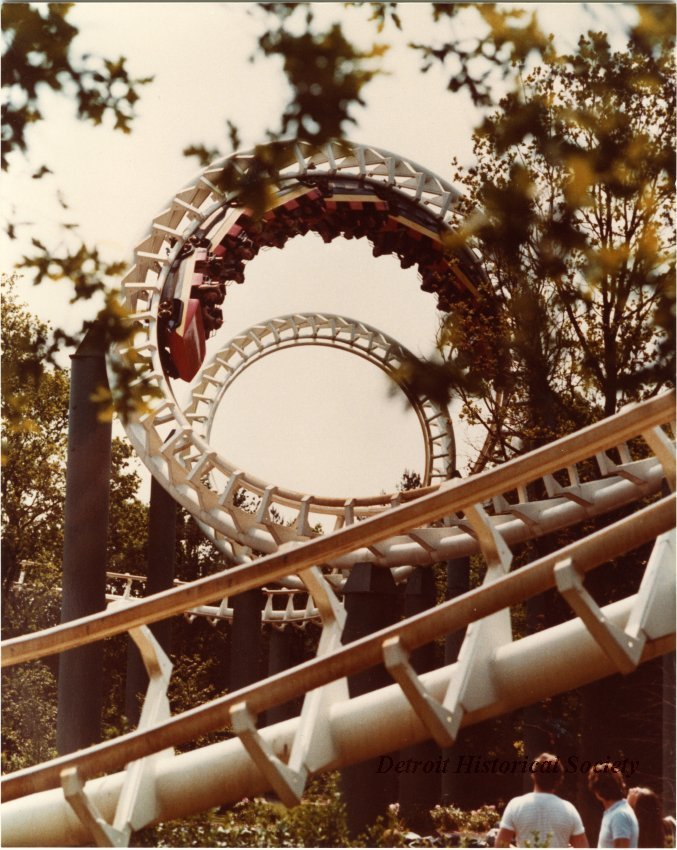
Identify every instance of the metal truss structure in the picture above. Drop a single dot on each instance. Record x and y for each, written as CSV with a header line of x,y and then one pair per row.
x,y
284,606
324,330
102,794
171,442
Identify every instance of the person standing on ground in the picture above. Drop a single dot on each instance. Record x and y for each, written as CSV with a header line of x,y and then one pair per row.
x,y
619,824
653,828
541,818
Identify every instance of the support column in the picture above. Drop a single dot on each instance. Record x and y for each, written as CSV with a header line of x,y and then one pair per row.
x,y
245,639
668,733
280,658
419,792
458,582
160,576
536,731
372,603
85,539
669,791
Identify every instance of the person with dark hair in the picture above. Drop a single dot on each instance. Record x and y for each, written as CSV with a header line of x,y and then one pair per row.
x,y
619,824
541,818
649,812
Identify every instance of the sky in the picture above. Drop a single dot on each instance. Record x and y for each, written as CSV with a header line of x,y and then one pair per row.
x,y
311,419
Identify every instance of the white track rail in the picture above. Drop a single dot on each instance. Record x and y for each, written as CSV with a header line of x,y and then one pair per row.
x,y
166,438
173,443
323,330
437,705
126,587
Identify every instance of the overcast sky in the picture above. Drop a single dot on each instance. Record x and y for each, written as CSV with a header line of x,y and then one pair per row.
x,y
309,419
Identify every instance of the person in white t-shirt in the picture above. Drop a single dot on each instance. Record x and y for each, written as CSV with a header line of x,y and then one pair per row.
x,y
541,818
619,823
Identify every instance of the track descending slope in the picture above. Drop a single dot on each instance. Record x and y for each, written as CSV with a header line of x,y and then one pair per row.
x,y
50,804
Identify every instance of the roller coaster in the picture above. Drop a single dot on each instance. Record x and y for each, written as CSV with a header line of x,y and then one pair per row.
x,y
268,535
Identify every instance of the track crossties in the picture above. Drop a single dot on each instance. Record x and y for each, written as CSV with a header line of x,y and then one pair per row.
x,y
176,293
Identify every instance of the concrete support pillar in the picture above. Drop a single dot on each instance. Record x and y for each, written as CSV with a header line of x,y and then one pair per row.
x,y
372,603
85,538
458,582
160,576
418,791
245,639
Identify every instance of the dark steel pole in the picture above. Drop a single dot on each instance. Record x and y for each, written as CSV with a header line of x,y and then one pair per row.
x,y
160,576
281,657
245,639
458,582
420,787
372,602
85,539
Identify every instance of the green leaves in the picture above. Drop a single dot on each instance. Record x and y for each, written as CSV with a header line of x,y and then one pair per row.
x,y
204,154
38,53
326,73
477,61
29,716
34,414
571,206
84,268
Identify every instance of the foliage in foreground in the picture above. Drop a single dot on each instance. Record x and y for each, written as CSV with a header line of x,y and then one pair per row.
x,y
328,76
571,206
319,821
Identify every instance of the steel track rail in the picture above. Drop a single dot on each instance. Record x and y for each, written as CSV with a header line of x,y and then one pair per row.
x,y
413,529
166,438
332,331
163,437
222,773
588,553
452,497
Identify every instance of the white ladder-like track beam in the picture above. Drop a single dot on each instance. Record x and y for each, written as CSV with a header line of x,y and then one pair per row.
x,y
525,671
451,498
510,589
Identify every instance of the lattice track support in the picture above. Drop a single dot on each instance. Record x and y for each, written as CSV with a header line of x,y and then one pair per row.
x,y
623,646
312,747
471,681
532,668
513,675
137,804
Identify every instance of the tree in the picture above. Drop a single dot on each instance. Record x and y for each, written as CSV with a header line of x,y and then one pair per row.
x,y
29,716
34,413
39,55
35,397
478,45
570,204
128,515
574,225
35,400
